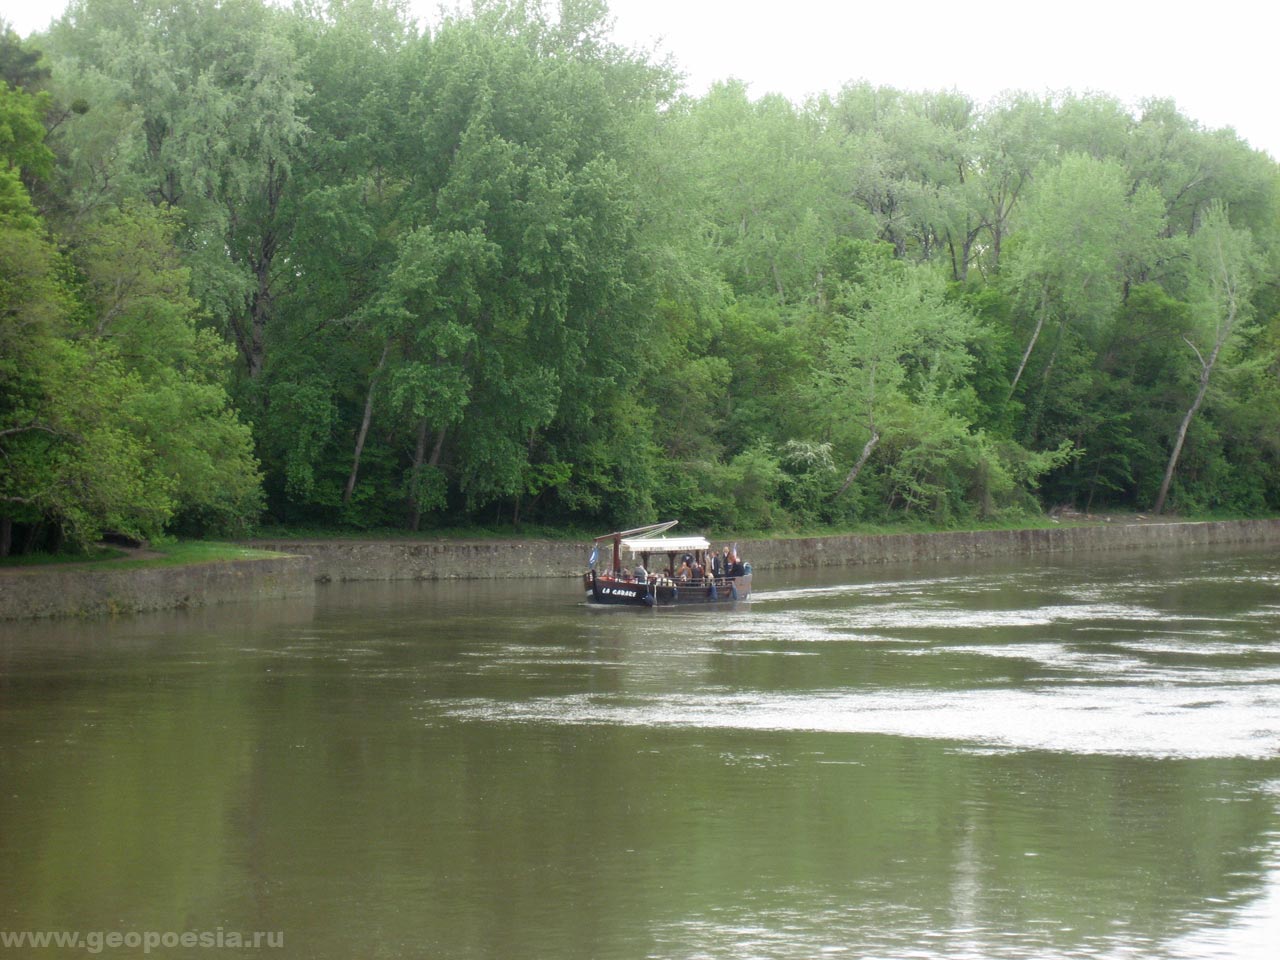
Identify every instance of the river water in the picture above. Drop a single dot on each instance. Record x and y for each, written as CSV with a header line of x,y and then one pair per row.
x,y
1071,757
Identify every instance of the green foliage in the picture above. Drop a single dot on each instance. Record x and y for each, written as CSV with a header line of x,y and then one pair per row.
x,y
501,271
20,64
113,415
22,133
69,443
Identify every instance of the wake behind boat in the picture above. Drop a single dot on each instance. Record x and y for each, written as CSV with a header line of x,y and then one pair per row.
x,y
688,570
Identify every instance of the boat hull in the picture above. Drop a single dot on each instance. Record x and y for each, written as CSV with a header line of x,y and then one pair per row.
x,y
666,593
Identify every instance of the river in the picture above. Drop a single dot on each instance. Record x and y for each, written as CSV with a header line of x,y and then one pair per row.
x,y
1071,757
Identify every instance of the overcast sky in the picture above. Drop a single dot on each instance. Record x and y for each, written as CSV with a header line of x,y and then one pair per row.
x,y
1214,58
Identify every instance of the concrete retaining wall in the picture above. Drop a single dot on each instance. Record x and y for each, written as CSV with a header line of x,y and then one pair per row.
x,y
344,560
918,547
78,591
339,560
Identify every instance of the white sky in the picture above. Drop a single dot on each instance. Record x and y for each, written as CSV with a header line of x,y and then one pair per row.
x,y
1215,59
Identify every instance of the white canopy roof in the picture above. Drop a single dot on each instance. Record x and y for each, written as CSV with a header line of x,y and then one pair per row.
x,y
665,544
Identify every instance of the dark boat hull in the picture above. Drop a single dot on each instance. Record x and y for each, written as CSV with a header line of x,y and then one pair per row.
x,y
666,593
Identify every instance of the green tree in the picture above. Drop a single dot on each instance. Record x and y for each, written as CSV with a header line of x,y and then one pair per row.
x,y
895,376
1010,143
1223,269
20,64
902,160
112,410
215,91
70,460
488,301
1080,236
767,187
138,296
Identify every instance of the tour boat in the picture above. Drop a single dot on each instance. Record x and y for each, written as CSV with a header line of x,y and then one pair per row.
x,y
693,573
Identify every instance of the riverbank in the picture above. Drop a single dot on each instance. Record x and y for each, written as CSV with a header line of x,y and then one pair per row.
x,y
94,590
352,560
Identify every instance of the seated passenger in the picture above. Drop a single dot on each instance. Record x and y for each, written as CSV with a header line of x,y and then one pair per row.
x,y
641,573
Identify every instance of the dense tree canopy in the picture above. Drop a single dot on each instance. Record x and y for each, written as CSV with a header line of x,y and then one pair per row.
x,y
314,265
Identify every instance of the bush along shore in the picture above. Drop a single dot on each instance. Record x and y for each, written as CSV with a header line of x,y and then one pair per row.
x,y
282,568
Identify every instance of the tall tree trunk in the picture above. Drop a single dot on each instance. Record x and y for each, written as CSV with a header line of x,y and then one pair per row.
x,y
869,446
1231,285
364,426
1206,370
251,334
435,451
1035,335
415,511
6,535
419,454
258,332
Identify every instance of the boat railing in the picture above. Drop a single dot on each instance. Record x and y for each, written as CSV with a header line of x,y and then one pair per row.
x,y
661,580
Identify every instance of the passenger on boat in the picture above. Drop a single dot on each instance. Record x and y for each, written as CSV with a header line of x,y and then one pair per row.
x,y
642,575
685,571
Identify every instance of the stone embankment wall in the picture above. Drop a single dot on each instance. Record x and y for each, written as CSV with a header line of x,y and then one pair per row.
x,y
919,547
88,591
339,560
73,591
344,560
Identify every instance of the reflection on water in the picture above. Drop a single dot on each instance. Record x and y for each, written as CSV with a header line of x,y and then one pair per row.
x,y
1077,757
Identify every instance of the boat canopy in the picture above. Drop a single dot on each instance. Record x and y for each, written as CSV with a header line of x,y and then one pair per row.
x,y
665,544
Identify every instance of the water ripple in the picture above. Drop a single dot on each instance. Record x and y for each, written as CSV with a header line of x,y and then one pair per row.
x,y
1235,721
